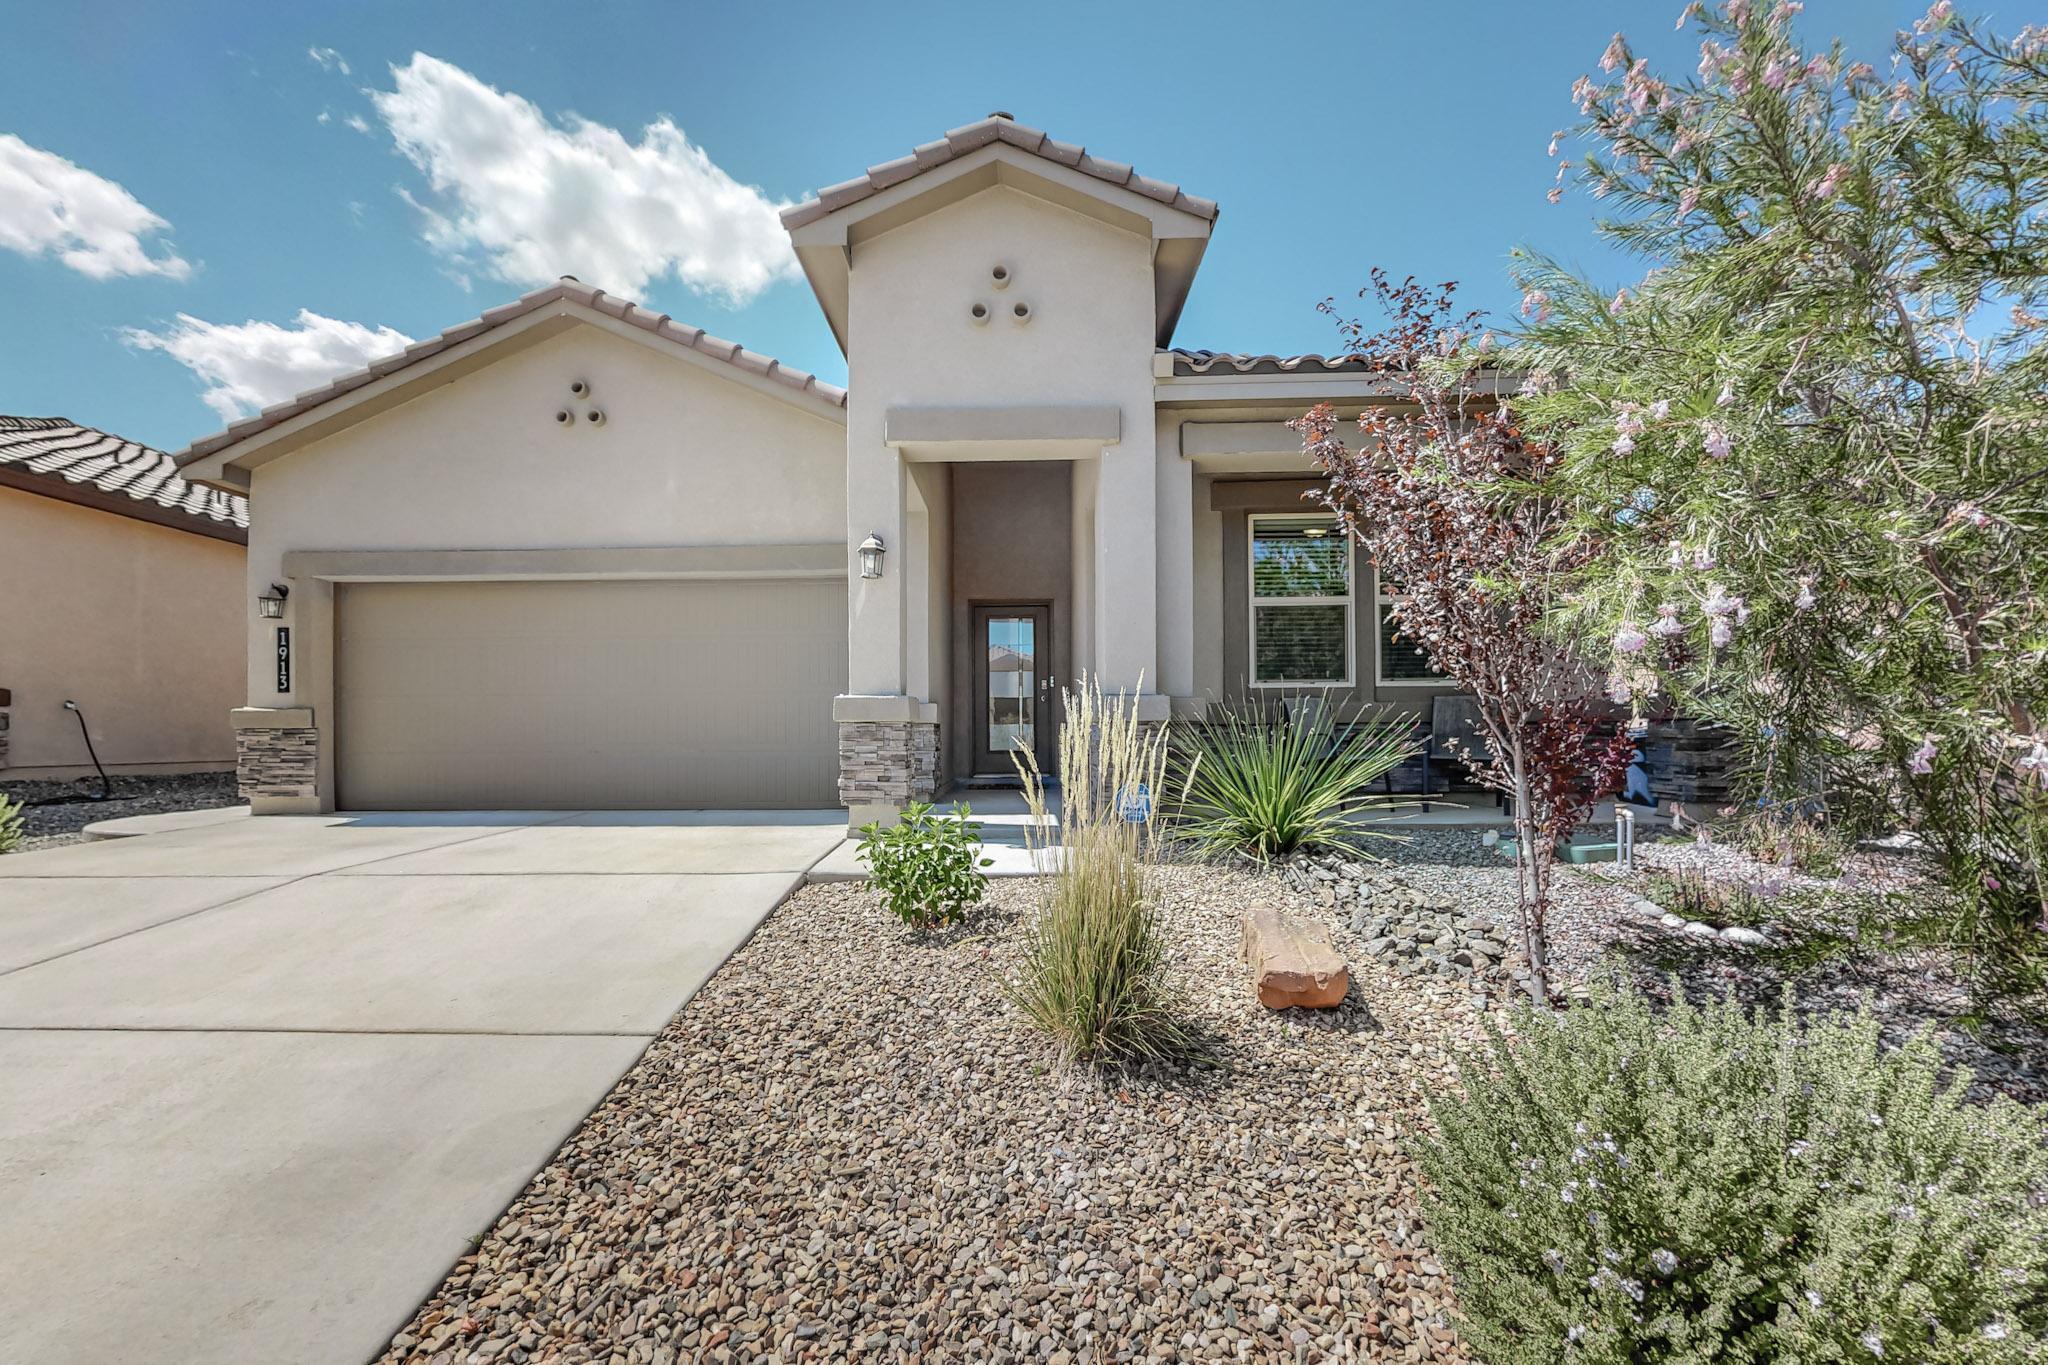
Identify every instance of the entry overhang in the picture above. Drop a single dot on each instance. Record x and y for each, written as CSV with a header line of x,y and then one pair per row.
x,y
1002,433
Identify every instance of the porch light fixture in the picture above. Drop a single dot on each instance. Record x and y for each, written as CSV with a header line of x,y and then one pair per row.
x,y
271,604
871,551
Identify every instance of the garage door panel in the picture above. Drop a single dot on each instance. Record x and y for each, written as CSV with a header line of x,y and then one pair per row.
x,y
589,694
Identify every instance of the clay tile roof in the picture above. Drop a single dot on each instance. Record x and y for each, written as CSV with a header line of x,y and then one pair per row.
x,y
567,287
960,141
1239,362
71,456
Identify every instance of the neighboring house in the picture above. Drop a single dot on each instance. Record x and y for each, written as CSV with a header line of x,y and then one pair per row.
x,y
123,593
575,553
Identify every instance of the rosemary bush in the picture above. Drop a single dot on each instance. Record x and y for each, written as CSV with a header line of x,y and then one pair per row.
x,y
1712,1185
1094,976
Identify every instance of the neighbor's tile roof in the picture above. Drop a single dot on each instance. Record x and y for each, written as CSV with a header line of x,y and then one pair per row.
x,y
568,287
60,450
961,141
1239,362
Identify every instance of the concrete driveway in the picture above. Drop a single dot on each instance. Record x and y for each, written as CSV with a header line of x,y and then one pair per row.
x,y
262,1080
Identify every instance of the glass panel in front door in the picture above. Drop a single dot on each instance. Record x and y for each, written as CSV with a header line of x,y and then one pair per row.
x,y
1012,683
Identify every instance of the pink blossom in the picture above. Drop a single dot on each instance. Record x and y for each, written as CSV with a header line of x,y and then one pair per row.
x,y
1830,181
1536,304
1721,632
1784,10
1619,302
1616,54
1777,73
1582,91
1555,138
1738,81
1938,14
2035,764
1686,14
1726,398
1817,69
1738,13
1703,559
1922,761
1661,409
1554,196
1676,559
1629,640
1711,56
1970,512
1630,422
1719,603
1486,343
1688,200
1718,444
1667,623
1624,445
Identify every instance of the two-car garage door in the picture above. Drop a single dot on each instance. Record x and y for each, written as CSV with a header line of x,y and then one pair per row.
x,y
588,694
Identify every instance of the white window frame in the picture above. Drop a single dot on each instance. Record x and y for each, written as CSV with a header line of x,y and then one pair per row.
x,y
1349,601
1380,679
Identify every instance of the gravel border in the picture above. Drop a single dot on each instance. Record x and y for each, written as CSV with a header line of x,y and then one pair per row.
x,y
64,822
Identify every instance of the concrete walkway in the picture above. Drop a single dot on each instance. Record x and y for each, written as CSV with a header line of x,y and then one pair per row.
x,y
261,1080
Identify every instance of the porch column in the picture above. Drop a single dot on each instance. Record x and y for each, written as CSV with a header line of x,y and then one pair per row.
x,y
1126,570
1176,564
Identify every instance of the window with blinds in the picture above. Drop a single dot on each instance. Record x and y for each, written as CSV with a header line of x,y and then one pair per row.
x,y
1301,602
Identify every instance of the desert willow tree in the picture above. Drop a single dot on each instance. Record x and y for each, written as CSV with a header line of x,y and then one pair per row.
x,y
1451,504
1810,447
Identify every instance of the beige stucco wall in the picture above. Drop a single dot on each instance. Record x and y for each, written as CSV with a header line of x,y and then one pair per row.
x,y
912,343
685,457
140,624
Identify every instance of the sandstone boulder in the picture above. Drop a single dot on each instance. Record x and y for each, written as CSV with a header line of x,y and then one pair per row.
x,y
1293,962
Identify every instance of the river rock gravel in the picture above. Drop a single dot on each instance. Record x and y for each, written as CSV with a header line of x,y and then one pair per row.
x,y
850,1146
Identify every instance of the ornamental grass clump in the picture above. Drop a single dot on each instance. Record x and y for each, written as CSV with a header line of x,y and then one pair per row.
x,y
1261,784
1095,972
1708,1185
11,822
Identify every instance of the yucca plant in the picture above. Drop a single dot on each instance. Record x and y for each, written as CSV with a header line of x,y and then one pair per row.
x,y
1257,783
1094,976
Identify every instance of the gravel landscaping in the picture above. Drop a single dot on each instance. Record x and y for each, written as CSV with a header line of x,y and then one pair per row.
x,y
849,1145
72,808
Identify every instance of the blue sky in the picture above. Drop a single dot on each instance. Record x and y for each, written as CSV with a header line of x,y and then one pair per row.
x,y
342,210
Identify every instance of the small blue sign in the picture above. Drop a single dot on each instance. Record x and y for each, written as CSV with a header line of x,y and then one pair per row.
x,y
1135,803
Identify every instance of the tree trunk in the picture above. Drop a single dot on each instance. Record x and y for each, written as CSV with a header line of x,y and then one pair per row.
x,y
1529,883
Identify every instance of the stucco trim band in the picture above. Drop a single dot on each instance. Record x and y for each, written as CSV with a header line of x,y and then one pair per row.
x,y
885,709
679,561
271,717
1101,424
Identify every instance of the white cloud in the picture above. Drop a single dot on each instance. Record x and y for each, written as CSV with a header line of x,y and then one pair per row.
x,y
51,207
359,123
327,59
248,366
528,199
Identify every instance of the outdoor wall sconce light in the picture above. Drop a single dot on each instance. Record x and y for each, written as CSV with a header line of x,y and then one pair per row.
x,y
271,604
871,551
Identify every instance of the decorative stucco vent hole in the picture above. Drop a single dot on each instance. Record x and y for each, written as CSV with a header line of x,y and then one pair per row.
x,y
596,417
979,313
579,388
1000,277
565,418
1021,311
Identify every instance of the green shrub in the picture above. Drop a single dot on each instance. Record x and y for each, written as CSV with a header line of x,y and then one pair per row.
x,y
10,825
1692,893
1094,975
1710,1185
924,865
1259,784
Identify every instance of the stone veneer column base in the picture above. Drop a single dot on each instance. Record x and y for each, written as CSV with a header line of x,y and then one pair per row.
x,y
277,759
888,753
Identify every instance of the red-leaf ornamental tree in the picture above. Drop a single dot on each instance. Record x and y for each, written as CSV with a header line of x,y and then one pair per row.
x,y
1447,500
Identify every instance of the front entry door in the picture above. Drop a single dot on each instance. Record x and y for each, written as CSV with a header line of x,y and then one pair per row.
x,y
1013,687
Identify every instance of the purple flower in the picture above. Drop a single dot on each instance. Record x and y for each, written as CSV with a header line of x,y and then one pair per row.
x,y
1829,182
1667,623
1703,559
1721,632
1629,640
1777,72
1717,442
1922,761
1726,398
1661,409
1624,444
1616,54
1536,303
1619,302
1972,513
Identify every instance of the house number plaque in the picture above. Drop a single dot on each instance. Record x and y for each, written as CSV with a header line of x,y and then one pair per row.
x,y
284,658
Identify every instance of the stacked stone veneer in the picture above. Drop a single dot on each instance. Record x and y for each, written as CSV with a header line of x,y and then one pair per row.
x,y
888,762
284,762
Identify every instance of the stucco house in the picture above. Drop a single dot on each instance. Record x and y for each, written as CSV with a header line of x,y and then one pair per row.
x,y
124,596
574,553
